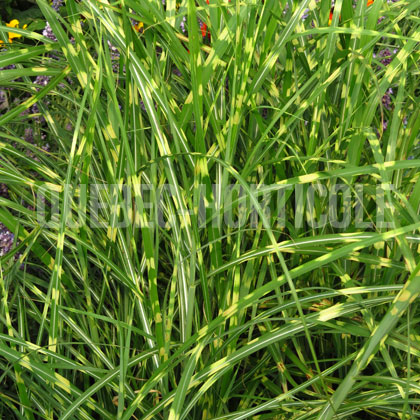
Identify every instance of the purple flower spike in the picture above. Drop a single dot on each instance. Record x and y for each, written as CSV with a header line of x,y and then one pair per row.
x,y
56,4
384,56
305,14
47,32
386,99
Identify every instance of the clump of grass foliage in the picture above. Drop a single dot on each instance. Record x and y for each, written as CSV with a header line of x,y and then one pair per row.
x,y
196,318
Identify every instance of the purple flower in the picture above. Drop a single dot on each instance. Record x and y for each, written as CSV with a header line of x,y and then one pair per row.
x,y
56,4
9,67
384,56
47,32
6,240
182,24
35,109
42,80
386,99
305,14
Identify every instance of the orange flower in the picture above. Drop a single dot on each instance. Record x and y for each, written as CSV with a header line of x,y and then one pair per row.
x,y
369,3
331,16
12,35
139,27
204,28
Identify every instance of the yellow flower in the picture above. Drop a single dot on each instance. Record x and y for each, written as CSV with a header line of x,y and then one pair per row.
x,y
138,27
14,23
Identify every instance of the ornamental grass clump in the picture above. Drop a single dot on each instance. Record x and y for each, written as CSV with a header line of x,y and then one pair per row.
x,y
210,210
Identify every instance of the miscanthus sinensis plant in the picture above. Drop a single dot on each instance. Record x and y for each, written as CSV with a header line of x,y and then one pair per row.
x,y
210,210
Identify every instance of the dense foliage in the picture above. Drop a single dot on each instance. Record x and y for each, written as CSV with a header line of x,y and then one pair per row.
x,y
210,210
